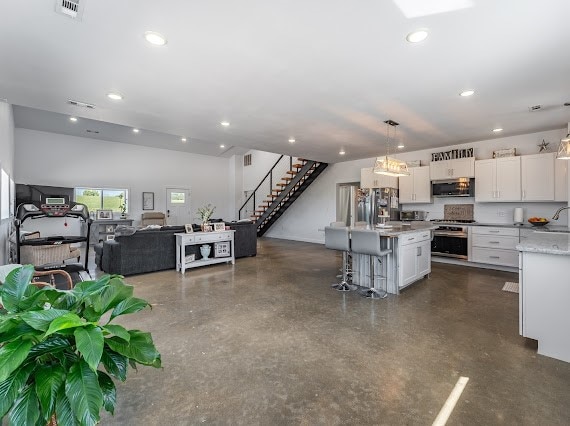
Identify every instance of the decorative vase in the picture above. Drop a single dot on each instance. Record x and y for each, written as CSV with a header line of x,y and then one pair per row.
x,y
205,251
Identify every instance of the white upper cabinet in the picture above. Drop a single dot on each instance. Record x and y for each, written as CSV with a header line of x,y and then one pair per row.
x,y
560,180
369,179
498,180
537,177
452,169
416,188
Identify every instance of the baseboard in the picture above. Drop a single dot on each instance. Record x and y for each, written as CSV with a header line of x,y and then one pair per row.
x,y
300,239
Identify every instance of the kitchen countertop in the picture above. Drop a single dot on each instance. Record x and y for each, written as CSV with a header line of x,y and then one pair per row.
x,y
550,226
398,229
547,243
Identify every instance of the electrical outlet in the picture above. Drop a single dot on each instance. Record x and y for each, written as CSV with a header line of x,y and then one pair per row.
x,y
501,213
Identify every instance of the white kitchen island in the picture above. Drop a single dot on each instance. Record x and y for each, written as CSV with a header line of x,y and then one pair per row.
x,y
544,298
409,261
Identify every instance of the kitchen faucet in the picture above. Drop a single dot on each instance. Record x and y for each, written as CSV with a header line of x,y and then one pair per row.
x,y
555,217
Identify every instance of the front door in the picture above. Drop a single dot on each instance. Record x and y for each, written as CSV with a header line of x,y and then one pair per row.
x,y
178,206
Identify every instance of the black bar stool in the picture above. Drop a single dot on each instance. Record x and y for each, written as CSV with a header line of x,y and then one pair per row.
x,y
338,238
368,242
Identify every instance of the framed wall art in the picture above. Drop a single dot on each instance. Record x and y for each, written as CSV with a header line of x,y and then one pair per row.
x,y
104,214
148,200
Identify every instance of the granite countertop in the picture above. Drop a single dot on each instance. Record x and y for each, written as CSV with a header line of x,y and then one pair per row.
x,y
547,243
550,226
398,229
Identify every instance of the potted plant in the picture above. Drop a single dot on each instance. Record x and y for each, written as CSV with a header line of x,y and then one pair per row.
x,y
60,350
204,214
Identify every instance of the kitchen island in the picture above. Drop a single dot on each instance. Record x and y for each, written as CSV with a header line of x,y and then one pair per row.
x,y
544,298
409,261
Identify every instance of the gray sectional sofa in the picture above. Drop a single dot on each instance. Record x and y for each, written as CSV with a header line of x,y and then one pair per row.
x,y
155,249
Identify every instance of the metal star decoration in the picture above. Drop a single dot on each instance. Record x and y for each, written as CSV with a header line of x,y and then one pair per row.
x,y
543,146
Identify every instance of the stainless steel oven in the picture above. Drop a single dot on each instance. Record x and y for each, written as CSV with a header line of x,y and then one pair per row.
x,y
450,241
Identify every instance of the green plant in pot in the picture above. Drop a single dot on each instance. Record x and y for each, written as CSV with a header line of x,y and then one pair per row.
x,y
204,214
60,350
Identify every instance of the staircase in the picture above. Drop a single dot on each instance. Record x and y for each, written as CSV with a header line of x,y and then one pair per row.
x,y
296,177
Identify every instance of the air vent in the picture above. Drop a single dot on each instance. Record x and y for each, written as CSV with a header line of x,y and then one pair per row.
x,y
70,8
81,104
534,108
92,131
247,160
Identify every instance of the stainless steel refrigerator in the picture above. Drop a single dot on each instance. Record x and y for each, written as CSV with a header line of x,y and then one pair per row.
x,y
379,202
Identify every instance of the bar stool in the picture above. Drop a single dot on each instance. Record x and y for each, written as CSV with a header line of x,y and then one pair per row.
x,y
338,238
368,242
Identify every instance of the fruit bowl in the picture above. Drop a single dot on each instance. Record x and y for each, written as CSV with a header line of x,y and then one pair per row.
x,y
538,221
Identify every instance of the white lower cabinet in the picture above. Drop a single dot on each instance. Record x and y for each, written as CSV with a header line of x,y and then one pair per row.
x,y
494,245
414,257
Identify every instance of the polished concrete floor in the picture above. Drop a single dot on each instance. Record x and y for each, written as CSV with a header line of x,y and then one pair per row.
x,y
267,342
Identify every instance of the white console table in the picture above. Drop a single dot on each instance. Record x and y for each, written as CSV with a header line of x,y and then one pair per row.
x,y
199,238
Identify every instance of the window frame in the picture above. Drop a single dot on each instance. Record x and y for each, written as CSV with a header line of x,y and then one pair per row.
x,y
102,191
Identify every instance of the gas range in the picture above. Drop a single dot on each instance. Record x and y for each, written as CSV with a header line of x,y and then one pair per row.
x,y
453,222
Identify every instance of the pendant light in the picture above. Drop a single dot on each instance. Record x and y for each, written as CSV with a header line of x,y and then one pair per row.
x,y
564,148
387,165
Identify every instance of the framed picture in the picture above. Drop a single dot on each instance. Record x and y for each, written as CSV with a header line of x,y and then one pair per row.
x,y
148,200
219,226
104,214
110,237
110,229
188,228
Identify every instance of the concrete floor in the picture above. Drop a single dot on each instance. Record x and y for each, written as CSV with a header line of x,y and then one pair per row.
x,y
267,342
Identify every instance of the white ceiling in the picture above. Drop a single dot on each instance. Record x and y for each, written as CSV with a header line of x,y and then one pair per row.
x,y
326,72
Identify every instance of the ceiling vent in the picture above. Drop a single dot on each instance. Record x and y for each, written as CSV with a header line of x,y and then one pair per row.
x,y
534,108
92,131
80,104
70,8
247,160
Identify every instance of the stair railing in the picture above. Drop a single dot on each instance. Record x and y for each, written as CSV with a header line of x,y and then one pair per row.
x,y
272,177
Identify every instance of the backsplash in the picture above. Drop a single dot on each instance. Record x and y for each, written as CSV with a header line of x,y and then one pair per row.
x,y
493,212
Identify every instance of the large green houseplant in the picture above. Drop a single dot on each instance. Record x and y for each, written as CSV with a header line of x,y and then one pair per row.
x,y
59,349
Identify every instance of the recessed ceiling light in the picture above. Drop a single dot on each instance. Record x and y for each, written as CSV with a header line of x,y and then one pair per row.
x,y
292,140
497,130
400,146
136,130
155,38
225,123
115,96
222,146
467,93
417,36
183,139
341,152
74,119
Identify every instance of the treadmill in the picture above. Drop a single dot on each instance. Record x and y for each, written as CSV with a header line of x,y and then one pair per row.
x,y
55,207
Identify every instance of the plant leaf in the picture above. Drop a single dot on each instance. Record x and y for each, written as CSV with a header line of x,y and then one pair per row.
x,y
89,341
84,394
115,292
85,289
65,416
115,364
40,320
109,392
26,410
15,286
49,380
70,320
118,330
12,355
52,344
140,348
11,387
129,306
20,329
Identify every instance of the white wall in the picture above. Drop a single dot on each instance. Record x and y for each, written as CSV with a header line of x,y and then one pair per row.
x,y
61,160
7,163
261,162
316,207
